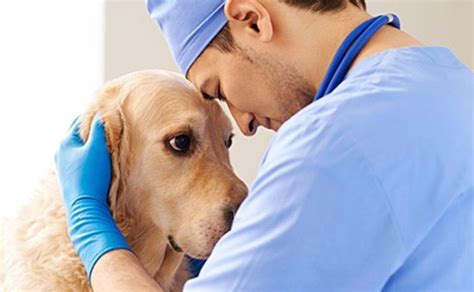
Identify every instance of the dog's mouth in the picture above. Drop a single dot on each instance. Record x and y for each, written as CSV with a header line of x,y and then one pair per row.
x,y
173,244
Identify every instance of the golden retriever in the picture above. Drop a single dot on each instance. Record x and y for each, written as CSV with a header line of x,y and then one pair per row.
x,y
173,190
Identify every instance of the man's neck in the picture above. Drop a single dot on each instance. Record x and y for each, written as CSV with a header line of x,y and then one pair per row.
x,y
386,38
328,31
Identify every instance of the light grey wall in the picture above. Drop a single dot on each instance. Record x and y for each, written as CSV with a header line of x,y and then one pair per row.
x,y
434,22
134,42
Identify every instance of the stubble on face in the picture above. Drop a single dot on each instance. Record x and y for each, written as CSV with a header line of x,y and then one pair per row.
x,y
291,91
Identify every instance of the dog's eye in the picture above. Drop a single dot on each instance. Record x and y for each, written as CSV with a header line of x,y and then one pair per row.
x,y
228,143
180,143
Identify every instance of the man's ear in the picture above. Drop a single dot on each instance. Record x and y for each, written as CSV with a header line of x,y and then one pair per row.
x,y
108,108
249,17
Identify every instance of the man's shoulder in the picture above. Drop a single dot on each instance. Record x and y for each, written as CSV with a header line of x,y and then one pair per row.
x,y
312,132
403,131
394,94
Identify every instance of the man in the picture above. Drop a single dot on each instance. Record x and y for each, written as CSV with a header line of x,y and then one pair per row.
x,y
368,188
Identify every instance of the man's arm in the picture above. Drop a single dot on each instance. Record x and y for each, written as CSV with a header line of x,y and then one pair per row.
x,y
121,270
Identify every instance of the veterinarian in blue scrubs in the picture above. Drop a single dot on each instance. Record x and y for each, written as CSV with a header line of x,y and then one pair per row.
x,y
368,182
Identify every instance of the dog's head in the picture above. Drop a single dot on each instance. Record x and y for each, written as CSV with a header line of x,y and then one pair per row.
x,y
169,151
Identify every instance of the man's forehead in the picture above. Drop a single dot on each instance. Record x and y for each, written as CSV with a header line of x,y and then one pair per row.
x,y
198,78
203,86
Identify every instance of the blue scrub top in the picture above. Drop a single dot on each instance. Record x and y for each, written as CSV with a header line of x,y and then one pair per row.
x,y
369,188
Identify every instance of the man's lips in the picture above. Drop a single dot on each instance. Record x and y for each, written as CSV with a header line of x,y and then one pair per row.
x,y
257,122
269,124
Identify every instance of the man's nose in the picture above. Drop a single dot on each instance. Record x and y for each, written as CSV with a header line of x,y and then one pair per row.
x,y
246,122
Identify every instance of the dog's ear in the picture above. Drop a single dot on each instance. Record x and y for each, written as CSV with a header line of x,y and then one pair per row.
x,y
107,106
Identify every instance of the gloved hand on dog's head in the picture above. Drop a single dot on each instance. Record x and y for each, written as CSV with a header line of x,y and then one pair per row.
x,y
84,173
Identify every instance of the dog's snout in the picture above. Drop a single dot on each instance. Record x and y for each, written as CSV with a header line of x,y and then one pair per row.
x,y
238,192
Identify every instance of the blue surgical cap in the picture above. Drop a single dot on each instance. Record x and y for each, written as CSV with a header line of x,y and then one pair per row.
x,y
188,25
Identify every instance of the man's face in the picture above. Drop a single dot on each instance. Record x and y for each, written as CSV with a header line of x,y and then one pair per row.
x,y
258,88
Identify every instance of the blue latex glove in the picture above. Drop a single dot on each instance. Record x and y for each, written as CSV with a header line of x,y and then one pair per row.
x,y
84,172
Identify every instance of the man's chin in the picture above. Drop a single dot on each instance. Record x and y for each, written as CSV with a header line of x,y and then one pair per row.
x,y
274,125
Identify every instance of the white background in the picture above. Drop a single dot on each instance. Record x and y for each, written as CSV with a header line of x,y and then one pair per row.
x,y
54,54
51,61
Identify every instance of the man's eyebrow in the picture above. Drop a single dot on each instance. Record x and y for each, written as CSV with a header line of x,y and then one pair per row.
x,y
203,92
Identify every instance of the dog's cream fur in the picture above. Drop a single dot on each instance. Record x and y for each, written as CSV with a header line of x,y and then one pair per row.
x,y
154,193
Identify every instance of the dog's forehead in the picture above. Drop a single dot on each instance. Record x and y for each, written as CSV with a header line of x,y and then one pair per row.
x,y
166,100
198,115
151,92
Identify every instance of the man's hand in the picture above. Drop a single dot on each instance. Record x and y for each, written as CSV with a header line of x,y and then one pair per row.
x,y
84,172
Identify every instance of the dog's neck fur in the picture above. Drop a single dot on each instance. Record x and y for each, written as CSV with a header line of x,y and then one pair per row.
x,y
148,243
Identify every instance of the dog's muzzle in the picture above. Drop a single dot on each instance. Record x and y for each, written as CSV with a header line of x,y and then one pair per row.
x,y
173,244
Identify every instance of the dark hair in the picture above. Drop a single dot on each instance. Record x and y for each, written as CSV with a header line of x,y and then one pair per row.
x,y
225,42
323,5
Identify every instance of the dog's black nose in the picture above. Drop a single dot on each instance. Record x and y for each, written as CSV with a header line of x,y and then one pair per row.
x,y
229,216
